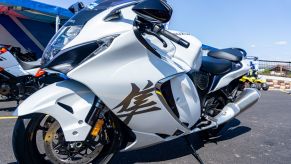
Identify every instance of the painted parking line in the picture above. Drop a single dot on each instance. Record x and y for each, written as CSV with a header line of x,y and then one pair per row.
x,y
7,117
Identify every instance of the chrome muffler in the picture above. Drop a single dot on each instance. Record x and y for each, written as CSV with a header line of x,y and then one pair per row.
x,y
246,99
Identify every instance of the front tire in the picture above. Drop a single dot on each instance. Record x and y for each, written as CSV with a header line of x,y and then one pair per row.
x,y
29,131
259,86
265,86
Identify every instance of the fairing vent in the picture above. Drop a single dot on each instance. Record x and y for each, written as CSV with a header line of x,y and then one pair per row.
x,y
201,80
168,95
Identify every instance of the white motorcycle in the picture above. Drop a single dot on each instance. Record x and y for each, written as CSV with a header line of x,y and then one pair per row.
x,y
131,84
17,77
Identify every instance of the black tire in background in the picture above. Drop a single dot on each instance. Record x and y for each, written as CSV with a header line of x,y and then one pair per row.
x,y
265,86
259,86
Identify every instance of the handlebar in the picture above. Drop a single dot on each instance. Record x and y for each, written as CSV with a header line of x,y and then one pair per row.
x,y
171,36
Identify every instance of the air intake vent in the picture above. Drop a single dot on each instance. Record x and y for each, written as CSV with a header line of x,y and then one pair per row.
x,y
201,80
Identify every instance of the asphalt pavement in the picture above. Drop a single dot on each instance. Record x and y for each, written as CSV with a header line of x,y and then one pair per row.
x,y
261,135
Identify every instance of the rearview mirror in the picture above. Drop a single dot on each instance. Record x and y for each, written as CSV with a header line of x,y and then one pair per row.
x,y
76,7
154,11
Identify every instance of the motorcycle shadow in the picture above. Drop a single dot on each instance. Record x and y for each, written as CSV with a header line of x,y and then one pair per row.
x,y
8,108
178,147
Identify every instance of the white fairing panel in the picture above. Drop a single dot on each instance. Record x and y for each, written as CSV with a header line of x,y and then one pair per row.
x,y
70,93
8,60
189,59
16,71
97,28
124,78
186,99
192,56
226,79
11,65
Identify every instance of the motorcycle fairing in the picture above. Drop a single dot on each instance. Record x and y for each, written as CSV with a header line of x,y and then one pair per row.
x,y
124,69
226,79
11,65
122,74
69,93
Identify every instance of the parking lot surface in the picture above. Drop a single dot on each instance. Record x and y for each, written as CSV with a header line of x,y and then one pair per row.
x,y
261,135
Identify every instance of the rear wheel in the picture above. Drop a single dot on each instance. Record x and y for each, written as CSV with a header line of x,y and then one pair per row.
x,y
40,139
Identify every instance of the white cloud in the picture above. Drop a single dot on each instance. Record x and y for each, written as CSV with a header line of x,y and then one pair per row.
x,y
281,42
253,45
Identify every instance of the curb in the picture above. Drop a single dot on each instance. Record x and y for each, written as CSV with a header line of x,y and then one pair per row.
x,y
287,91
279,84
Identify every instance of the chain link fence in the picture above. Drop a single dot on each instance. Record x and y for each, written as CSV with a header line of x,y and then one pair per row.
x,y
275,68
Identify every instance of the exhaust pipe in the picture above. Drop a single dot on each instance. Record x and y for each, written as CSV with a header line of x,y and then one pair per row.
x,y
246,99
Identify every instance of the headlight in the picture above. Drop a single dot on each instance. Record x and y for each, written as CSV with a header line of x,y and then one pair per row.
x,y
62,38
68,59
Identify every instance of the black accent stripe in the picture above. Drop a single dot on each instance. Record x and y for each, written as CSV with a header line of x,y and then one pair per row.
x,y
8,77
178,132
82,17
164,136
90,118
66,107
215,81
166,90
72,56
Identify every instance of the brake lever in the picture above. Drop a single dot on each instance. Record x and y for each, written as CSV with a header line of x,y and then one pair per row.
x,y
147,31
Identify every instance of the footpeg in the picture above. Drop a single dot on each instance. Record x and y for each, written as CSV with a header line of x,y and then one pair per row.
x,y
212,119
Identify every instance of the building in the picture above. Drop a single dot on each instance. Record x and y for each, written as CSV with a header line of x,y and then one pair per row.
x,y
28,24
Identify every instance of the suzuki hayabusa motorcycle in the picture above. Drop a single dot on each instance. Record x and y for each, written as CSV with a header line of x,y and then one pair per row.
x,y
17,77
130,84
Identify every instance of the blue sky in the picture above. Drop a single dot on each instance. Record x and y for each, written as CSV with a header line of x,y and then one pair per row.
x,y
262,27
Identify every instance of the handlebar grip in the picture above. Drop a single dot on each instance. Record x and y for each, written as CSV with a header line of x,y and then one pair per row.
x,y
175,38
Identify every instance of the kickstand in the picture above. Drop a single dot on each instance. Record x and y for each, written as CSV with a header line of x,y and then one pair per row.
x,y
194,153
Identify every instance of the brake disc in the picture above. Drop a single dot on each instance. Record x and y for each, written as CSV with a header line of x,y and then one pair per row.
x,y
59,151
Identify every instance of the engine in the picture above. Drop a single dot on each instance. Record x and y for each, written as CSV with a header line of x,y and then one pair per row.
x,y
5,89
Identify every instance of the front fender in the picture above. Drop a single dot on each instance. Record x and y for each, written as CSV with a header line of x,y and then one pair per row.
x,y
69,102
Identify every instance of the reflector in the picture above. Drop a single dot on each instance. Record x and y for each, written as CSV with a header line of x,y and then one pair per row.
x,y
3,50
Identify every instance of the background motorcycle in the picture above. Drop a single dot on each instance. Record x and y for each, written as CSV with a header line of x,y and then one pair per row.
x,y
131,84
17,77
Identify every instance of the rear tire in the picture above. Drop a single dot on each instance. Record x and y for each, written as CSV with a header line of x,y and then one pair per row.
x,y
259,86
27,151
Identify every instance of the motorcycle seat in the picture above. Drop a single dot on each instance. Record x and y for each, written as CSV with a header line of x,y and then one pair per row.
x,y
215,66
231,54
29,65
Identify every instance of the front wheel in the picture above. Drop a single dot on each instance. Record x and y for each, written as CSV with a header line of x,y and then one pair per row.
x,y
40,139
265,86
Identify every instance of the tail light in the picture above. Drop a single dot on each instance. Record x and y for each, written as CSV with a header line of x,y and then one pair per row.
x,y
1,69
3,50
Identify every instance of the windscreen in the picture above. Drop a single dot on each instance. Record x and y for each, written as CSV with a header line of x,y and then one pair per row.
x,y
74,25
105,4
